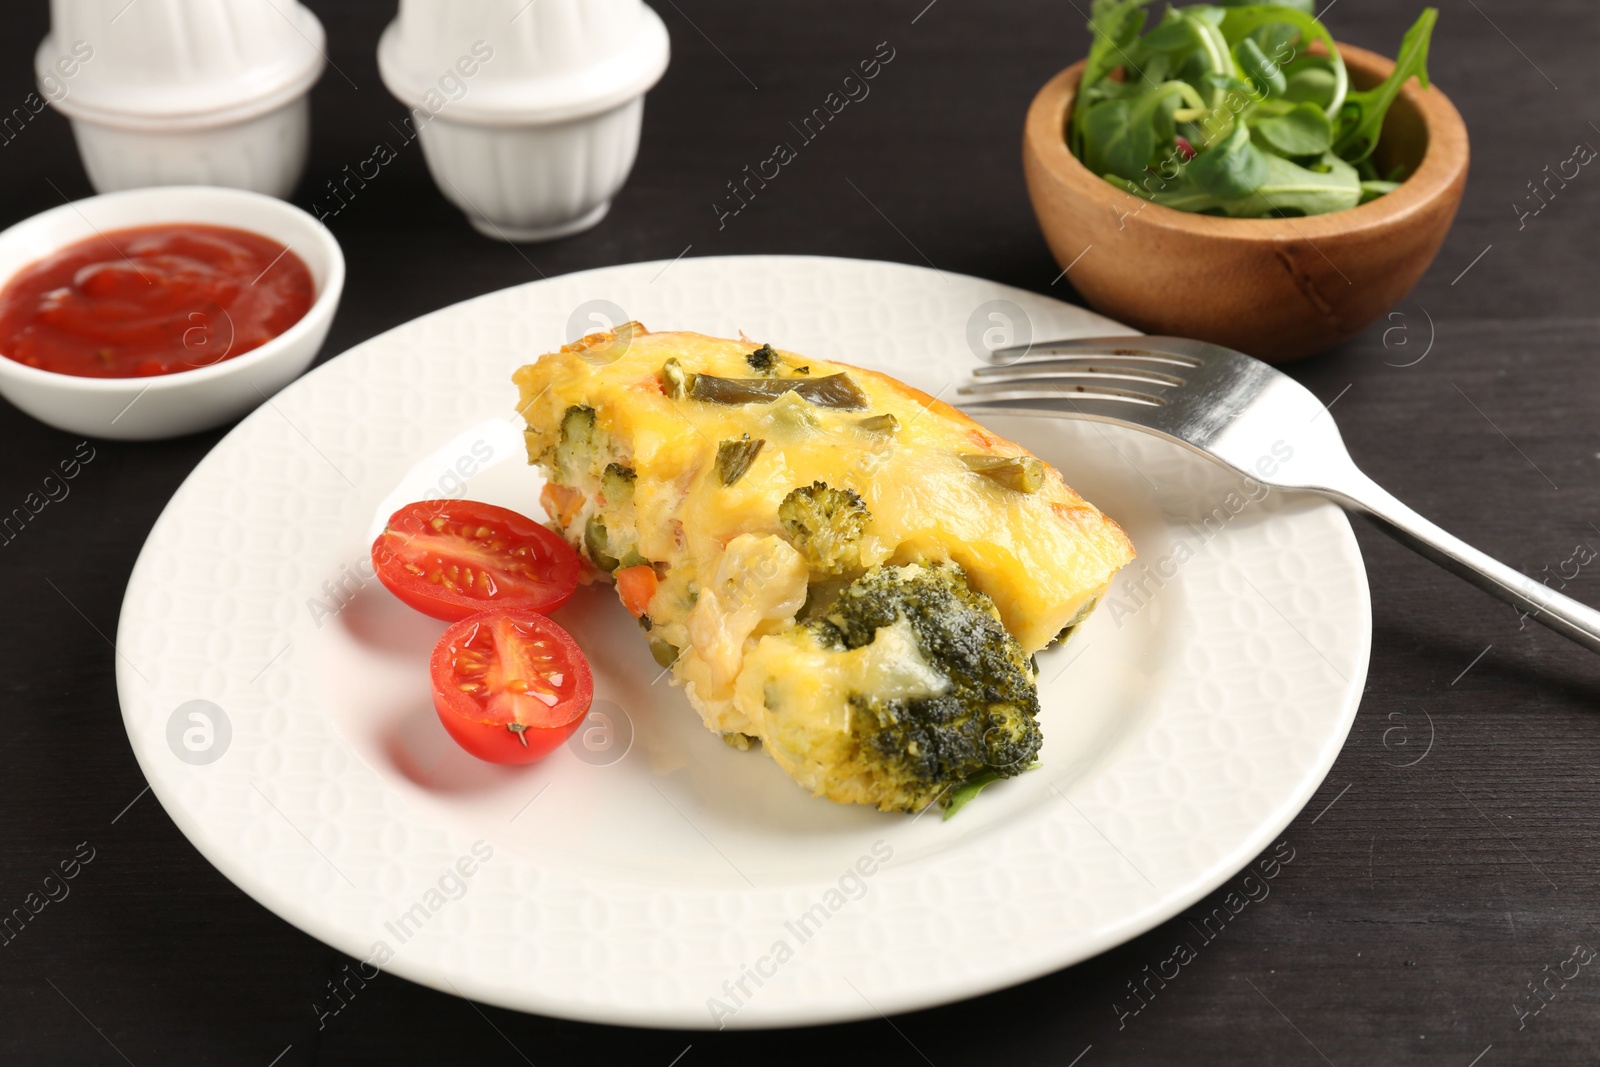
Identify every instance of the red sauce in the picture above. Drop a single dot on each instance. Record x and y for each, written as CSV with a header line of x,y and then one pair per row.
x,y
152,300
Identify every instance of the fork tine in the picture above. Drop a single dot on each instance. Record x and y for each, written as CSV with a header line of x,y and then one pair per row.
x,y
1058,390
1134,346
1117,410
1082,367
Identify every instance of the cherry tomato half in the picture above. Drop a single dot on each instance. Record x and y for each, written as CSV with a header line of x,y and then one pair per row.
x,y
454,558
510,686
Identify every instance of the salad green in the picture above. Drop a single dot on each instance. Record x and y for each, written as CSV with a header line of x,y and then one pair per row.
x,y
1234,109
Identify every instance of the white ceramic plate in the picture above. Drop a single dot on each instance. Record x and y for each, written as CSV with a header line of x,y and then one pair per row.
x,y
658,877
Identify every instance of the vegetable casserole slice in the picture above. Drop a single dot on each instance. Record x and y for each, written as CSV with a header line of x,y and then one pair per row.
x,y
833,564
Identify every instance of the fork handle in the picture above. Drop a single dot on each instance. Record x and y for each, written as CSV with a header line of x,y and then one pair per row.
x,y
1539,602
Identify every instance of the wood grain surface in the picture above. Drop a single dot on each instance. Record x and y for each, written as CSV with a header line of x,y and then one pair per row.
x,y
1450,858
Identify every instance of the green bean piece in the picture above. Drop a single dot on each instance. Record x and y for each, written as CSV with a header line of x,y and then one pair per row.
x,y
885,424
831,391
734,457
1025,474
676,380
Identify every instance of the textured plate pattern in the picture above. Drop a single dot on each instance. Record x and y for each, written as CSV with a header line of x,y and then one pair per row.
x,y
1185,725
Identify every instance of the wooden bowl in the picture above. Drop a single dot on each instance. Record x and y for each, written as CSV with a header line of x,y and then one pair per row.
x,y
1278,289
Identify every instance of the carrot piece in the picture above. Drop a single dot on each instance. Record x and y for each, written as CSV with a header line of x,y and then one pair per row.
x,y
636,586
560,502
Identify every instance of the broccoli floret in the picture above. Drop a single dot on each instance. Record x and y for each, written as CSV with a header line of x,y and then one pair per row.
x,y
918,749
577,454
609,536
616,483
825,525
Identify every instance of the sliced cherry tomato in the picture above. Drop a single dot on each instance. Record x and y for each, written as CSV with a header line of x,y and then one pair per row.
x,y
510,686
454,558
636,586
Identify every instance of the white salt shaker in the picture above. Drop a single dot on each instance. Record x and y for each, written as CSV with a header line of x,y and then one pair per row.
x,y
184,92
528,110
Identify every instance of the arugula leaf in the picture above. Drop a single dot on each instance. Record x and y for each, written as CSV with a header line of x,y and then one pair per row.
x,y
1178,32
1241,21
1116,25
1122,135
1266,76
1193,32
963,794
1156,67
1113,143
1233,169
1330,184
1311,82
1287,189
1361,120
1303,131
1371,190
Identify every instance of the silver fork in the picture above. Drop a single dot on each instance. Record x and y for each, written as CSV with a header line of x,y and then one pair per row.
x,y
1251,418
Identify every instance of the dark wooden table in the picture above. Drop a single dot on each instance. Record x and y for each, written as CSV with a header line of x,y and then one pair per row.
x,y
1446,867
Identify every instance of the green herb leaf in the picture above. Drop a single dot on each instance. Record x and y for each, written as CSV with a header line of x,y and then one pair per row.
x,y
1374,189
1127,134
1272,37
1235,168
1304,131
1178,32
1312,82
1267,78
1114,143
1116,25
963,794
1361,120
1291,189
1191,34
1287,189
1240,22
